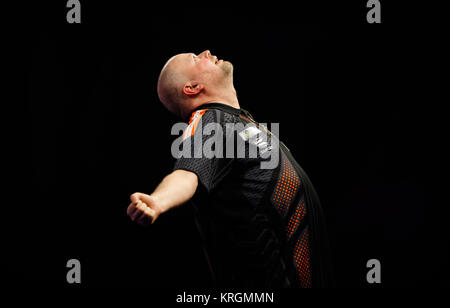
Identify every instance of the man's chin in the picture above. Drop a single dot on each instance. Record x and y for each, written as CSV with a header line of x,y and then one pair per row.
x,y
227,67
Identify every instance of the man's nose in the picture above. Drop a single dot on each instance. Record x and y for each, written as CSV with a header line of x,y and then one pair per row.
x,y
206,54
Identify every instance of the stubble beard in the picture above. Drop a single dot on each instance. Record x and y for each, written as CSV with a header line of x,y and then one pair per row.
x,y
227,68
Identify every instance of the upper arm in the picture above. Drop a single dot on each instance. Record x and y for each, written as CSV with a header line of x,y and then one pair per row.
x,y
186,177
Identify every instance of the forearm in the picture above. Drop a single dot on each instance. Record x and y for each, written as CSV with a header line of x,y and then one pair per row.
x,y
175,189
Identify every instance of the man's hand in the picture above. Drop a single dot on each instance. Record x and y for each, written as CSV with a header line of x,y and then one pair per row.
x,y
143,209
174,190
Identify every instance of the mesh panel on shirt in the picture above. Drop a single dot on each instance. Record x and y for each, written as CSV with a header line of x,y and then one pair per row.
x,y
287,185
296,218
301,257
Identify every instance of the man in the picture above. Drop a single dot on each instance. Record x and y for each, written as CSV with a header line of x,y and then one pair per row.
x,y
262,227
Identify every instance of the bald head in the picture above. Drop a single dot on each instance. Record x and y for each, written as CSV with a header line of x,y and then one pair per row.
x,y
170,82
187,80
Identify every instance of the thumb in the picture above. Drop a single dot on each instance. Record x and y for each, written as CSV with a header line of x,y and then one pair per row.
x,y
149,200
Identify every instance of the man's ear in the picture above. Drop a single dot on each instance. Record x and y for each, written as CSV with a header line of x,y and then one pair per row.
x,y
192,88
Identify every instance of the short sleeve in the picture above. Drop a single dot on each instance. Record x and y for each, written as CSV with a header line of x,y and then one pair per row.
x,y
202,149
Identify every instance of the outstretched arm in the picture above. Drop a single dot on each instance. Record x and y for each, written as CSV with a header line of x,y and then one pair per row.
x,y
174,190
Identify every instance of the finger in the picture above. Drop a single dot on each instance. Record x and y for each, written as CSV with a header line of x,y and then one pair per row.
x,y
131,209
144,220
137,213
141,205
140,210
147,216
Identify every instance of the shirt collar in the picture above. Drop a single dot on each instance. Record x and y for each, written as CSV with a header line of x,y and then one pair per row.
x,y
223,107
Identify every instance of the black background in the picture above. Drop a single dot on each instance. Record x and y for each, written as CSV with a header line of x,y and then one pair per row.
x,y
87,129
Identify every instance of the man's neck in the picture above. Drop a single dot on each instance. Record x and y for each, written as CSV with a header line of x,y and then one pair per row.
x,y
230,100
234,104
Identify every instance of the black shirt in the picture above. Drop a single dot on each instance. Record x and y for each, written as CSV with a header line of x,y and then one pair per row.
x,y
252,207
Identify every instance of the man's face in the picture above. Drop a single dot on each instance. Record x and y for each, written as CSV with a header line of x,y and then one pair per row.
x,y
206,69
